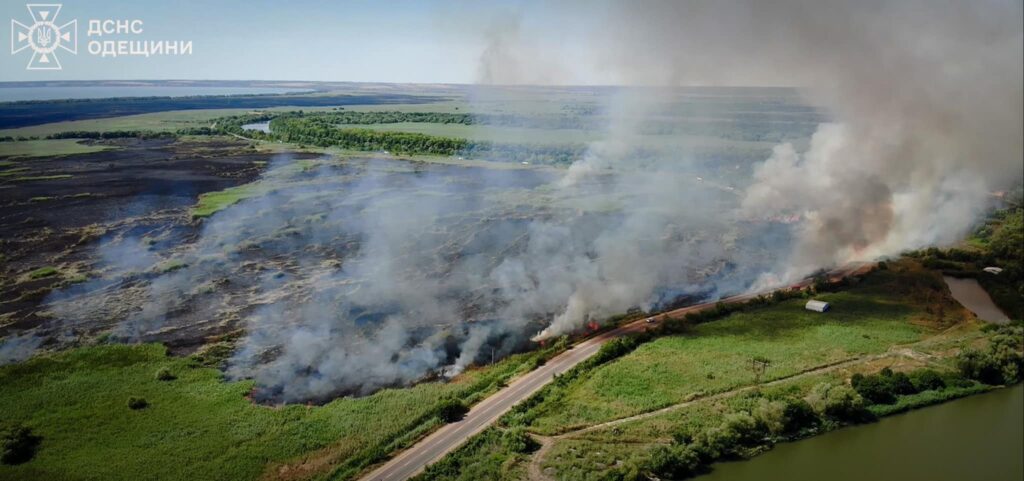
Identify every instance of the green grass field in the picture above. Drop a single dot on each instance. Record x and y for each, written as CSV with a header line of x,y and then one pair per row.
x,y
47,148
213,202
889,308
199,426
716,356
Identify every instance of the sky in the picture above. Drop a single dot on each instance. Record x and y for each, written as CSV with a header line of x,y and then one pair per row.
x,y
422,41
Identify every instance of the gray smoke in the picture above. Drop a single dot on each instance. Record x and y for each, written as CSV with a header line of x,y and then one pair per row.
x,y
926,95
360,275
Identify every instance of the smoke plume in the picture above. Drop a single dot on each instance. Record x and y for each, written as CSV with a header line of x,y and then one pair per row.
x,y
358,275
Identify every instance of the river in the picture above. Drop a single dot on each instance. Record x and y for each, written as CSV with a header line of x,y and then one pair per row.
x,y
975,438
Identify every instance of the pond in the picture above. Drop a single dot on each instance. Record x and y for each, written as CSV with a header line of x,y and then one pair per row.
x,y
260,126
979,437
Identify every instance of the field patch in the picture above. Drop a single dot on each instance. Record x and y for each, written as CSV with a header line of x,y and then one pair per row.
x,y
48,148
719,356
193,424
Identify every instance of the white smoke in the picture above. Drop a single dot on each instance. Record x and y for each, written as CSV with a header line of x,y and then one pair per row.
x,y
925,99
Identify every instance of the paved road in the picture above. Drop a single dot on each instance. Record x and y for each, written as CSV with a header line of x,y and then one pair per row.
x,y
449,437
432,448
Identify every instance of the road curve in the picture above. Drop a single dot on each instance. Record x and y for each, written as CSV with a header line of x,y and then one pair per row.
x,y
432,448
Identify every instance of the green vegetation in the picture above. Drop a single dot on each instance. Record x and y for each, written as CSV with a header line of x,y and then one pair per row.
x,y
170,265
495,454
999,242
17,444
718,407
884,387
213,202
321,130
76,401
165,374
48,148
1001,363
42,272
112,134
135,403
716,356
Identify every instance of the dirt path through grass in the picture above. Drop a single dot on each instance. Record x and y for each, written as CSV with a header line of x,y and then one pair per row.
x,y
713,397
535,470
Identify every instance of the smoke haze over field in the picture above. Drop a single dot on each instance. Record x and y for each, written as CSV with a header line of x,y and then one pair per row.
x,y
358,275
927,94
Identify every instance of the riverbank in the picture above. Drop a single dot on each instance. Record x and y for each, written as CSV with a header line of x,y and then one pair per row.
x,y
733,387
978,437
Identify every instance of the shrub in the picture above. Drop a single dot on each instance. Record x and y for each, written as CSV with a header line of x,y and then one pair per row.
x,y
1001,363
899,383
164,374
517,441
716,443
18,444
872,388
738,430
839,402
771,415
927,380
628,471
884,387
451,411
675,462
136,403
747,430
798,416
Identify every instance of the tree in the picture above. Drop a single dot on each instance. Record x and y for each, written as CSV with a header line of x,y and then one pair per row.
x,y
1008,240
839,402
872,388
797,416
927,380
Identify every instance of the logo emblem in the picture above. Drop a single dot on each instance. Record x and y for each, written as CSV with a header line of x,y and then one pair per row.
x,y
44,36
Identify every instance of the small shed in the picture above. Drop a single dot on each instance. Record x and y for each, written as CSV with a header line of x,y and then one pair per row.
x,y
816,306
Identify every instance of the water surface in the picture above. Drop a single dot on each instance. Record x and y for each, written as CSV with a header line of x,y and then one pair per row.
x,y
970,294
975,438
260,126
